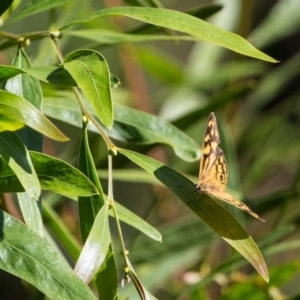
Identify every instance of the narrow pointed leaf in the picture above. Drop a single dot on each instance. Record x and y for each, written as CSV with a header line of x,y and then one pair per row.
x,y
105,36
106,278
24,85
135,126
88,207
210,211
90,71
54,175
49,74
17,158
60,230
183,23
95,248
10,124
22,111
36,6
7,72
129,125
26,255
31,213
28,87
201,12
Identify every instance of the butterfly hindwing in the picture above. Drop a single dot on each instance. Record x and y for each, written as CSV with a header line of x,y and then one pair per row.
x,y
232,201
213,173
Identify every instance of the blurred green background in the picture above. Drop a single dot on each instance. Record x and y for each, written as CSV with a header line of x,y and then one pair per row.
x,y
257,106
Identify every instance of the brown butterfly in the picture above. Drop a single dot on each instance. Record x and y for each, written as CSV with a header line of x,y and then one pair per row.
x,y
213,173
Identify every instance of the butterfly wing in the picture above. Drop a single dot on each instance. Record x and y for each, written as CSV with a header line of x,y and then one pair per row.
x,y
213,170
213,173
209,145
232,201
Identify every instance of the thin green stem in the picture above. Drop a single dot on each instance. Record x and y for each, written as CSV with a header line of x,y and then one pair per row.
x,y
17,37
109,143
111,147
112,205
119,230
110,181
57,49
9,35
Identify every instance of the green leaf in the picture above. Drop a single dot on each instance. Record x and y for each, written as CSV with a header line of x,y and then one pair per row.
x,y
201,12
129,175
106,279
10,124
49,74
54,175
16,157
135,221
130,126
52,74
88,207
28,87
34,7
7,72
29,257
60,230
106,36
138,127
24,85
22,111
90,71
31,213
95,248
183,23
210,211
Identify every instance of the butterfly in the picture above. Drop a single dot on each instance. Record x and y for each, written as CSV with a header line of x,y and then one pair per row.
x,y
213,173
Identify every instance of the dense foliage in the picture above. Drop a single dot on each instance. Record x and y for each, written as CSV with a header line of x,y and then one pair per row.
x,y
102,112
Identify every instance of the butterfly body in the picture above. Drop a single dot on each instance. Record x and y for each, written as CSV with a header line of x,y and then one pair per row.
x,y
213,173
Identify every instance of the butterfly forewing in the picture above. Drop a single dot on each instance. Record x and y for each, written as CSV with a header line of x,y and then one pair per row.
x,y
209,145
213,173
213,170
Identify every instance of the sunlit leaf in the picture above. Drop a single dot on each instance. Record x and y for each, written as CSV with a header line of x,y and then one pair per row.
x,y
130,126
36,6
95,247
16,157
26,255
54,175
211,212
28,87
183,23
22,111
90,71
